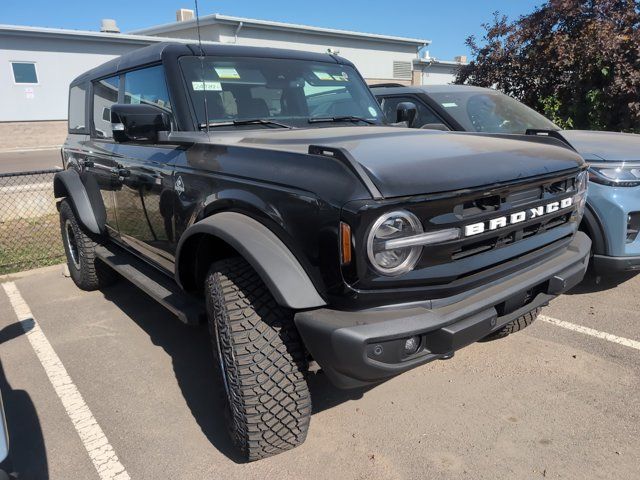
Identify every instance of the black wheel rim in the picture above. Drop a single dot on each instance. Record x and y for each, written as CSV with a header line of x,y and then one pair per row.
x,y
72,244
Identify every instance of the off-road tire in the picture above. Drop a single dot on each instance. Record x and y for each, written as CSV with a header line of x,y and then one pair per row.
x,y
261,362
516,325
88,272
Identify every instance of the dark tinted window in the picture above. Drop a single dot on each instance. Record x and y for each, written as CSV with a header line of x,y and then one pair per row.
x,y
77,99
24,72
147,86
105,94
425,114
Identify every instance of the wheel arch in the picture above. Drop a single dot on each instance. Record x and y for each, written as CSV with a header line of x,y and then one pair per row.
x,y
84,196
592,226
226,234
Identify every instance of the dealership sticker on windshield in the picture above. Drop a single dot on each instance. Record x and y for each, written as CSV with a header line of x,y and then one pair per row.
x,y
210,86
322,75
450,105
227,73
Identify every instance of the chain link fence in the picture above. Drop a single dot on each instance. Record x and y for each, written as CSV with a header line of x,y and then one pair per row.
x,y
29,225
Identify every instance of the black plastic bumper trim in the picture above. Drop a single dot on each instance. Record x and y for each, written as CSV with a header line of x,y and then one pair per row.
x,y
338,340
606,265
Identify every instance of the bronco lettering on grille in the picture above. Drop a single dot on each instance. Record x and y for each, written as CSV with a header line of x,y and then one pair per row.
x,y
517,217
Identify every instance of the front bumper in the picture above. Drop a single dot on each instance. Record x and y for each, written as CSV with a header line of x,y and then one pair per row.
x,y
604,264
612,206
365,347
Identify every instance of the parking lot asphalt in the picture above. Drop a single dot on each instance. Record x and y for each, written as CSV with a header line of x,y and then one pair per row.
x,y
548,402
30,160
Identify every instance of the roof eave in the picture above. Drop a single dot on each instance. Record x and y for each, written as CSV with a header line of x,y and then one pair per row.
x,y
269,25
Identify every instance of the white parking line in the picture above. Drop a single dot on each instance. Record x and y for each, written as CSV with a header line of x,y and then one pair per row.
x,y
102,454
591,332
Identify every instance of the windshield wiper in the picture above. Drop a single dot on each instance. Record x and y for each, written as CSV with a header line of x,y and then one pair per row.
x,y
342,118
234,123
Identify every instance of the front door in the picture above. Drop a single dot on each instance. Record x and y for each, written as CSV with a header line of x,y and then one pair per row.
x,y
145,202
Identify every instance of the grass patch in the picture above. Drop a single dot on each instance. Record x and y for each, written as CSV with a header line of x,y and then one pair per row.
x,y
30,243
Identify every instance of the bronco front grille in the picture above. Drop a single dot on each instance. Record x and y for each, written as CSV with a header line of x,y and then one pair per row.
x,y
481,207
504,203
510,238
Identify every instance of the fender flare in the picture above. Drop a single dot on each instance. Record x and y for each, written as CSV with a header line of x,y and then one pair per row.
x,y
278,268
595,231
88,207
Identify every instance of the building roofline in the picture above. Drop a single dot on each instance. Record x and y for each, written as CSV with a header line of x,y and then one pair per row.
x,y
267,24
21,30
434,61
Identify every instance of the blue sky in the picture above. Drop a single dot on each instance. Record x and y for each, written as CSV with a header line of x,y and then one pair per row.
x,y
446,22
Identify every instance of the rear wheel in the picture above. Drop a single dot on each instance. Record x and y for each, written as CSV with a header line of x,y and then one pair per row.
x,y
516,325
87,272
261,362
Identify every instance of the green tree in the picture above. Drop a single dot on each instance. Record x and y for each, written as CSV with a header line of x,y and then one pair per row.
x,y
576,61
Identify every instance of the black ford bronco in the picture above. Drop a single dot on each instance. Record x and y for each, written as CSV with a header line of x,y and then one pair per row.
x,y
260,189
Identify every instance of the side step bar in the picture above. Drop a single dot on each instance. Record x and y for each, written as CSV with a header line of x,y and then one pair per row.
x,y
158,286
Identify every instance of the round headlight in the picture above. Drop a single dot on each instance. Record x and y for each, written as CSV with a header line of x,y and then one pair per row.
x,y
393,226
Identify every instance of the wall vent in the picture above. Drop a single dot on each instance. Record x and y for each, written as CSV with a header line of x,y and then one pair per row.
x,y
402,70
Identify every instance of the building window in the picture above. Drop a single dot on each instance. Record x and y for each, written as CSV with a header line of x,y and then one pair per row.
x,y
105,94
24,72
402,70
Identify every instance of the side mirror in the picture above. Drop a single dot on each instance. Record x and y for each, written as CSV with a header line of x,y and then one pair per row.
x,y
406,112
436,126
138,122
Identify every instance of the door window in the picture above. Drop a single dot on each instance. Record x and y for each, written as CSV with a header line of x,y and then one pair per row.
x,y
424,115
105,94
147,86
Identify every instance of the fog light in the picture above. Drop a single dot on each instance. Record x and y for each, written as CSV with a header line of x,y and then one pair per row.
x,y
411,345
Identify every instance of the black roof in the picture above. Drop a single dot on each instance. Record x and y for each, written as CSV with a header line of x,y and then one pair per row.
x,y
157,52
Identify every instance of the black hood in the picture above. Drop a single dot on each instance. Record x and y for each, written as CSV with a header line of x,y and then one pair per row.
x,y
405,162
604,146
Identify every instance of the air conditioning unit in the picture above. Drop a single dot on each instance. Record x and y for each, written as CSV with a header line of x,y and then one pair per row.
x,y
184,14
109,25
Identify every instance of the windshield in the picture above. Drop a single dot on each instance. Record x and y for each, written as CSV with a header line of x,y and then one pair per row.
x,y
286,92
491,112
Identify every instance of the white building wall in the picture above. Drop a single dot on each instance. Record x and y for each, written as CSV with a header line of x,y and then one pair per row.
x,y
374,59
58,62
439,74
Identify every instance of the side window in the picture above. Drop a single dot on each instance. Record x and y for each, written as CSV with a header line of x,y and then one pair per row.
x,y
147,86
425,114
105,94
77,99
24,72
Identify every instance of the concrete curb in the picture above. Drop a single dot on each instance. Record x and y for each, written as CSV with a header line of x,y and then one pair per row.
x,y
10,277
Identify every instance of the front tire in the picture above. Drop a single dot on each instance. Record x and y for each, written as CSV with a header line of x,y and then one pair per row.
x,y
261,362
86,271
516,325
